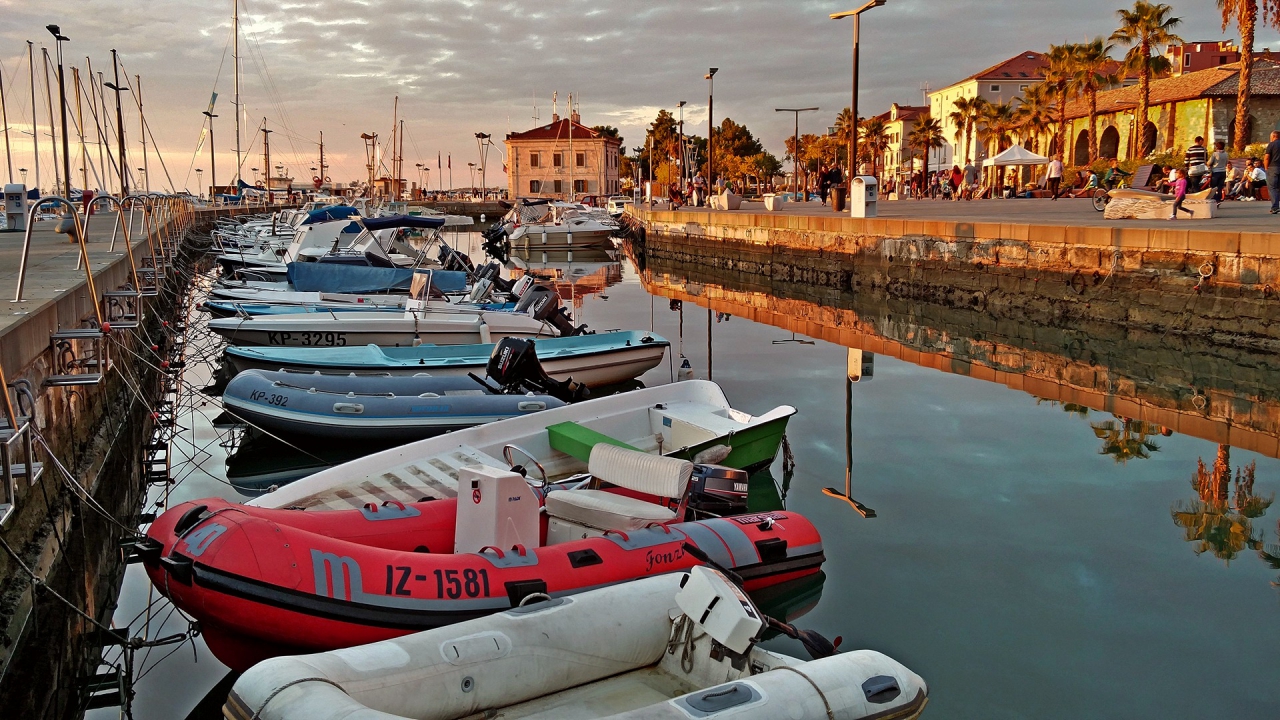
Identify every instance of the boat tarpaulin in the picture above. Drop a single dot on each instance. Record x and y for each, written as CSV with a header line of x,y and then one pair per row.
x,y
338,278
403,221
328,214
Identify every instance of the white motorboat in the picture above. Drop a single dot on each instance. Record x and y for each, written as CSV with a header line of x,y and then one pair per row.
x,y
679,646
691,420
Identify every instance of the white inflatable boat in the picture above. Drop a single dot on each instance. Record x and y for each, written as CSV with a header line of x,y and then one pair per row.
x,y
684,648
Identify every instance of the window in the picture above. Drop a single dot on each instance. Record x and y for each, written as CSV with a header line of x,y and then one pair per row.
x,y
557,159
579,186
559,185
580,160
535,186
995,88
533,161
1022,88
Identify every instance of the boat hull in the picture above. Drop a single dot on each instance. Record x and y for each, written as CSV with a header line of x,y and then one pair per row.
x,y
341,329
597,367
271,582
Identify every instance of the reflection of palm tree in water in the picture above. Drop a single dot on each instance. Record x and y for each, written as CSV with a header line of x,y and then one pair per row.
x,y
1126,440
1220,519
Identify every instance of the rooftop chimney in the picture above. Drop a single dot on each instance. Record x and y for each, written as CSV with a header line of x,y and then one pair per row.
x,y
575,117
555,117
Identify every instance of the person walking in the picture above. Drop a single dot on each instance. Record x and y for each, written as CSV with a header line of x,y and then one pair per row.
x,y
1195,160
970,180
957,182
1271,161
1218,162
699,190
824,184
1055,176
1179,193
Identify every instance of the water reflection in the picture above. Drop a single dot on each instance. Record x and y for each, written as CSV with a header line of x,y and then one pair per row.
x,y
1220,519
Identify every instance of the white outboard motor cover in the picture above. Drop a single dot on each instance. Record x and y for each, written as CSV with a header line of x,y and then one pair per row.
x,y
523,284
710,600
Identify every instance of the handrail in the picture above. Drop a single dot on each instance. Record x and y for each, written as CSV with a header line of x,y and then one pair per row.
x,y
120,220
80,238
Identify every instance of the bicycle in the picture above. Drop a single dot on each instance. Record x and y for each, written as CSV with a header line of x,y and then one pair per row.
x,y
1102,196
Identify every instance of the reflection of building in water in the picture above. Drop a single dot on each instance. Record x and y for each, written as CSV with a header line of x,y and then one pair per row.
x,y
1223,395
573,275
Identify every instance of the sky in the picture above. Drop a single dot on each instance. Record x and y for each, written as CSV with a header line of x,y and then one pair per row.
x,y
465,66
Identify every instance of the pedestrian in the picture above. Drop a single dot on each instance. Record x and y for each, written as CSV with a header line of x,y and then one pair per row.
x,y
1257,179
1271,161
1195,160
1179,193
1055,176
699,189
824,184
957,182
1218,163
970,185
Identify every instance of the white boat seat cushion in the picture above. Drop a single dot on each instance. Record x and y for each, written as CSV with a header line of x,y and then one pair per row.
x,y
650,474
605,510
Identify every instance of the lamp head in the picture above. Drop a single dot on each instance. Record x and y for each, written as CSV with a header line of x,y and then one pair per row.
x,y
56,32
117,88
682,103
859,11
711,73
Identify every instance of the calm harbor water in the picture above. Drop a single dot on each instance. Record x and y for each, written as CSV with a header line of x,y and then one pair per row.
x,y
1021,570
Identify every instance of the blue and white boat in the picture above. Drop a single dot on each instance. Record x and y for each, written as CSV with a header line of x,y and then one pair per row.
x,y
593,360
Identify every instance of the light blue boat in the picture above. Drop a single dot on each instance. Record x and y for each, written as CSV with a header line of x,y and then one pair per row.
x,y
592,360
231,308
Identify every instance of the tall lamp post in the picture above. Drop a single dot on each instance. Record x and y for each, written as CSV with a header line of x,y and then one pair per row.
x,y
200,181
117,88
684,157
483,140
213,166
711,105
62,101
795,148
853,108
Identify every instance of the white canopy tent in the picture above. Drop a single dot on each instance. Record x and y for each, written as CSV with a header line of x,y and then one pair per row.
x,y
1016,155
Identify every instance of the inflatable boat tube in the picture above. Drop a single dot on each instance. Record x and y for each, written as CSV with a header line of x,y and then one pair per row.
x,y
267,582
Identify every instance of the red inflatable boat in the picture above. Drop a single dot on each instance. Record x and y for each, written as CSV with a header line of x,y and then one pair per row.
x,y
266,582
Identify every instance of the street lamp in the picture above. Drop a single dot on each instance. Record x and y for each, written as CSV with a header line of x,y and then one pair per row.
x,y
213,165
683,156
200,181
710,77
483,141
853,108
795,148
23,171
472,167
62,102
117,88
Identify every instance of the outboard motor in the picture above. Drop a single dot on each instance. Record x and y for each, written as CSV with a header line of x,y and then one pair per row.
x,y
544,304
521,286
495,242
493,273
514,365
451,259
718,490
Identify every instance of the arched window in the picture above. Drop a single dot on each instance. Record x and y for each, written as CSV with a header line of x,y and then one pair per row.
x,y
1081,154
1109,143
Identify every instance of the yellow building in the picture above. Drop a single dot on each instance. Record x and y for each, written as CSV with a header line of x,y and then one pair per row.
x,y
1002,82
898,124
564,160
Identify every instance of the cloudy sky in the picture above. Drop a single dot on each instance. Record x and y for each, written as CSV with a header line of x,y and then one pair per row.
x,y
463,66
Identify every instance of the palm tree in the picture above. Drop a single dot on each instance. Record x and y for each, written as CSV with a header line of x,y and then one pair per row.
x,y
1220,519
875,138
1126,440
1057,76
926,136
965,117
1244,13
844,123
1093,72
1033,115
1145,29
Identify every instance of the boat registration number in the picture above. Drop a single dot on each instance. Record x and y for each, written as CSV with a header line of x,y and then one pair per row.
x,y
451,584
307,339
263,396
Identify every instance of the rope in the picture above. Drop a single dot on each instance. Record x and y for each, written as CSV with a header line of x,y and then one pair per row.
x,y
682,637
822,696
257,714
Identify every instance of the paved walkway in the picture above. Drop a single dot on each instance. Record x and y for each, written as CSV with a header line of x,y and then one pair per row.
x,y
1234,217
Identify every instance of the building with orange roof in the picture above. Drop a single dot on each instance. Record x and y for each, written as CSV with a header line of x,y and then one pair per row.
x,y
562,160
1003,82
1201,102
898,124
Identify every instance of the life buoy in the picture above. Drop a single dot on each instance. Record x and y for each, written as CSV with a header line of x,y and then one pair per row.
x,y
316,181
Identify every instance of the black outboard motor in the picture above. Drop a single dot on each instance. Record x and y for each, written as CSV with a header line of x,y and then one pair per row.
x,y
718,490
514,365
544,304
451,259
495,242
493,273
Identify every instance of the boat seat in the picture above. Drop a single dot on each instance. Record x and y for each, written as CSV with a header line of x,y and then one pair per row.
x,y
641,472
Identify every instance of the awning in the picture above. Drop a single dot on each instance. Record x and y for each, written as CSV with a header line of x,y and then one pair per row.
x,y
403,221
327,214
1016,155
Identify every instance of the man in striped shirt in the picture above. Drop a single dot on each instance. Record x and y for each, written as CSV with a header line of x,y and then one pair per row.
x,y
1196,158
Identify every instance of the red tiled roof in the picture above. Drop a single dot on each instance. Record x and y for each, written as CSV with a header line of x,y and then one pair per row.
x,y
559,130
1219,81
1028,65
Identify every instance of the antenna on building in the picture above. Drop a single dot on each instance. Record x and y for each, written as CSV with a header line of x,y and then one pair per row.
x,y
924,93
535,108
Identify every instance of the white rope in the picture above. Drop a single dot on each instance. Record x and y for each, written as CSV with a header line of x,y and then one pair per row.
x,y
830,715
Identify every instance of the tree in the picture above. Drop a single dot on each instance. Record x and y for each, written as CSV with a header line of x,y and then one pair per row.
x,y
874,137
1092,71
1126,440
766,167
1034,115
1219,520
965,117
1145,29
607,131
663,138
926,136
1244,13
844,130
1057,77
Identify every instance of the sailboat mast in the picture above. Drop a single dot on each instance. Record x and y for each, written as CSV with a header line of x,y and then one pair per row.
x,y
395,123
4,120
573,194
84,152
235,55
400,165
323,174
35,132
142,128
53,132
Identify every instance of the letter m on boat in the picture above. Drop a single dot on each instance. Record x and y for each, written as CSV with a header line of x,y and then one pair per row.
x,y
336,576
